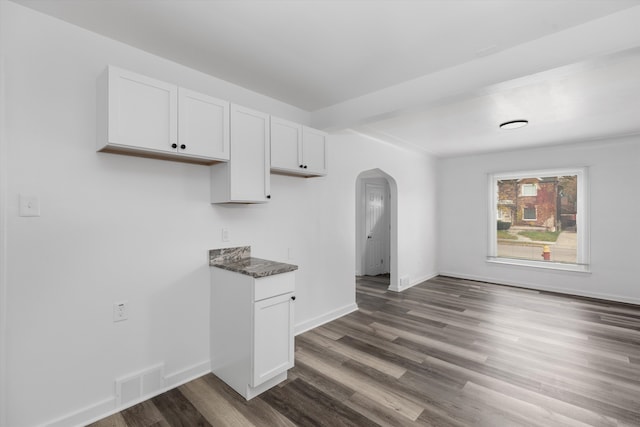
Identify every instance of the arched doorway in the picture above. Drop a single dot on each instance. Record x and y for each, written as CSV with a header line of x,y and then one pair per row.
x,y
377,225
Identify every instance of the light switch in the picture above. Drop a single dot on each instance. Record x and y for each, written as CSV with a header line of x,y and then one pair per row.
x,y
29,206
120,311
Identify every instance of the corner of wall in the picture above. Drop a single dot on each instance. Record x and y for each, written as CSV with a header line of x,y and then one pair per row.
x,y
402,287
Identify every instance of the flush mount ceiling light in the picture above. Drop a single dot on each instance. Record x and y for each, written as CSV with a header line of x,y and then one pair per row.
x,y
514,124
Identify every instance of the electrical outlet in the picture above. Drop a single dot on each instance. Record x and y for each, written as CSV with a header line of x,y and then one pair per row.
x,y
289,253
225,234
120,311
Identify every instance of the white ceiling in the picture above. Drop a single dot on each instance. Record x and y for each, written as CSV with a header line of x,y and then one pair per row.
x,y
586,101
438,75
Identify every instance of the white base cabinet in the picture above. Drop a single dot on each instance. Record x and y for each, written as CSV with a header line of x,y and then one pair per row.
x,y
252,341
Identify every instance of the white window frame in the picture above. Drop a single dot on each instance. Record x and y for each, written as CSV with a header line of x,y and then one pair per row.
x,y
535,190
582,223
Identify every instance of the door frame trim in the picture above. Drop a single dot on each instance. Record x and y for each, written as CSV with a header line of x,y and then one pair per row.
x,y
394,281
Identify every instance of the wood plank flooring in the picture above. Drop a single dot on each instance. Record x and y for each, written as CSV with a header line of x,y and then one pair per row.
x,y
447,352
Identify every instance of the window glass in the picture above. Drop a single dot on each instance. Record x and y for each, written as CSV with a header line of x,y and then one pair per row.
x,y
529,190
541,218
529,214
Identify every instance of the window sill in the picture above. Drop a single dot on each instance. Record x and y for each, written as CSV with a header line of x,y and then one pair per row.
x,y
547,265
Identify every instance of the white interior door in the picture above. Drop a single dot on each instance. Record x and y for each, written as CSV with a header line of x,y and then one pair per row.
x,y
376,230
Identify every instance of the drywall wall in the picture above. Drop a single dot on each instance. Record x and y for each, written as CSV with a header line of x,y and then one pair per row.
x,y
3,230
414,176
613,167
116,228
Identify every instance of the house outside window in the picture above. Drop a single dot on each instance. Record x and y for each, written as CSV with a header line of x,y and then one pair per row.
x,y
542,219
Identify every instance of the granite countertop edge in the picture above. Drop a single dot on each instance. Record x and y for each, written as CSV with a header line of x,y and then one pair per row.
x,y
255,267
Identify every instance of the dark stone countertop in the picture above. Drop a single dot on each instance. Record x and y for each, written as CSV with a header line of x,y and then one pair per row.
x,y
239,260
256,267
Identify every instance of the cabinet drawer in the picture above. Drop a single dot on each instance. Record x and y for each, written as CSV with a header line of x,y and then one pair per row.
x,y
278,284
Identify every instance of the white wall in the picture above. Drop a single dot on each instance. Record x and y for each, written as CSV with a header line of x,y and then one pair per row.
x,y
415,177
614,170
3,230
118,228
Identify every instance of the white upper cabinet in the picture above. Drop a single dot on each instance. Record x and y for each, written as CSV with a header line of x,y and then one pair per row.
x,y
246,177
286,145
297,149
203,125
142,112
314,151
147,117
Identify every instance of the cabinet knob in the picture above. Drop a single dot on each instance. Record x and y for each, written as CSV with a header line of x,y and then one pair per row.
x,y
293,298
182,147
174,145
268,196
301,166
305,166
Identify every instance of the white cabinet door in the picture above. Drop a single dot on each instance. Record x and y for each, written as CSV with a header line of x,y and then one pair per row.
x,y
314,151
297,149
286,145
273,342
203,125
246,177
250,158
142,111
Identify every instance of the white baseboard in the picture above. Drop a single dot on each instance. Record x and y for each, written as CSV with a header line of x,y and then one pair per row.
x,y
107,407
92,412
539,287
413,283
184,376
325,318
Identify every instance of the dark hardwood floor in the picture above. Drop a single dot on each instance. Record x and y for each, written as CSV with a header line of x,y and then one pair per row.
x,y
447,352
